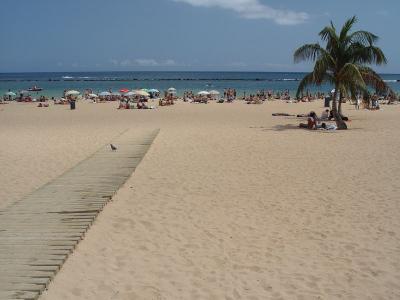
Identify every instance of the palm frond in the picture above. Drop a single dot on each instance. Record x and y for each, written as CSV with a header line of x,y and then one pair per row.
x,y
351,74
372,55
353,90
324,65
307,52
328,34
346,28
306,81
365,38
372,79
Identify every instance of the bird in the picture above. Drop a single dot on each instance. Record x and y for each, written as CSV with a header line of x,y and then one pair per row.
x,y
113,148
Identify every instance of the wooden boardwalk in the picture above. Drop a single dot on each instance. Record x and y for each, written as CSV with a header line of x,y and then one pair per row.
x,y
38,232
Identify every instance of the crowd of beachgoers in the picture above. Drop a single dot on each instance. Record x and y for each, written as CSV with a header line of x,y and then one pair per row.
x,y
148,99
129,97
189,96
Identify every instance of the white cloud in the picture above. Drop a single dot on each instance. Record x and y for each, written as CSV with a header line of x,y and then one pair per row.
x,y
169,62
253,9
142,62
126,63
146,62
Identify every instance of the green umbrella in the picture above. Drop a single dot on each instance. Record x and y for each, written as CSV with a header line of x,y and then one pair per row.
x,y
12,94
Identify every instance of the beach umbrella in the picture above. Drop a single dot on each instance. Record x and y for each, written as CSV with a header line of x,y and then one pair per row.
x,y
145,90
130,94
214,92
115,94
153,91
72,93
203,93
172,90
24,92
103,94
124,91
93,96
12,94
141,93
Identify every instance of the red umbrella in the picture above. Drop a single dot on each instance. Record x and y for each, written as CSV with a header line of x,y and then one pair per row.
x,y
123,90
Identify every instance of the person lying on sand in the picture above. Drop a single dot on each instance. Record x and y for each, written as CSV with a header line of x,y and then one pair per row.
x,y
254,100
142,105
166,101
325,126
282,115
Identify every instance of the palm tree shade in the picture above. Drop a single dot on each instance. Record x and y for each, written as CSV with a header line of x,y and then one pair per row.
x,y
344,62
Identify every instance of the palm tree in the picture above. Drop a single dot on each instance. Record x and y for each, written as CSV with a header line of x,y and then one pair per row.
x,y
344,62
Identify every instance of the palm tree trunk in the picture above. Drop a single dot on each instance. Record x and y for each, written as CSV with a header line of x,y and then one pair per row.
x,y
340,105
341,125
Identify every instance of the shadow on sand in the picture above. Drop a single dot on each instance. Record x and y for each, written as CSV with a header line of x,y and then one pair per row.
x,y
285,127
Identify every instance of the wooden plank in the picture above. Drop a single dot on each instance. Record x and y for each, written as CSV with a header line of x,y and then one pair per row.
x,y
39,232
27,287
14,295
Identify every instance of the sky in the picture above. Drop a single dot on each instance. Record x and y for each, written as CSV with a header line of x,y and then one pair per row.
x,y
180,35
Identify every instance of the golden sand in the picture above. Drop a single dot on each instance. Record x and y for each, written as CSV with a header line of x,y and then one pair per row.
x,y
229,202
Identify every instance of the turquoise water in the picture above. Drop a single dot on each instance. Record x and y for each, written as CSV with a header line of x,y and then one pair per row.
x,y
54,84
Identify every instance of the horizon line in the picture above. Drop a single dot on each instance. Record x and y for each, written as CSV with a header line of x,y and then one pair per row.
x,y
167,71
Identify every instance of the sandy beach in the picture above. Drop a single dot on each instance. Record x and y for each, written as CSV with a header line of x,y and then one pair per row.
x,y
228,203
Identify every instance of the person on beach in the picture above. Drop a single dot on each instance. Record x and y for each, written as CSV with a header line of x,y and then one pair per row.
x,y
312,122
331,117
325,126
325,115
357,104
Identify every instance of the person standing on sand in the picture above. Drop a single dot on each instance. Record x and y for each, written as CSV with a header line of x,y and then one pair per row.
x,y
358,102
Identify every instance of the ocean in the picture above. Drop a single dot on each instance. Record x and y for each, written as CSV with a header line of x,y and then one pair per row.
x,y
54,83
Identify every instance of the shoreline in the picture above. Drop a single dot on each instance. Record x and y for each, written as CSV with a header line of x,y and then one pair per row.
x,y
54,83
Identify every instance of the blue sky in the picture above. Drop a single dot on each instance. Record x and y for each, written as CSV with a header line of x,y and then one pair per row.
x,y
229,35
